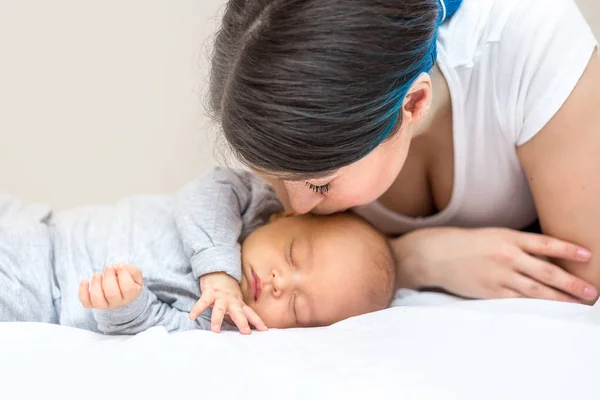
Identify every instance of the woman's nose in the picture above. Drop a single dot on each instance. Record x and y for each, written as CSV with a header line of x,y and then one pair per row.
x,y
301,199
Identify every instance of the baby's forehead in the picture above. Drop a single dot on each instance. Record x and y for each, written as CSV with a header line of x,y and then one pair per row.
x,y
344,250
348,232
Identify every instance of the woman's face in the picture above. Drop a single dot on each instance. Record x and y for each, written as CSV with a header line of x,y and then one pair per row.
x,y
357,184
367,179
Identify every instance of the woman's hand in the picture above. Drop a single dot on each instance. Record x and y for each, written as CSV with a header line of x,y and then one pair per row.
x,y
490,263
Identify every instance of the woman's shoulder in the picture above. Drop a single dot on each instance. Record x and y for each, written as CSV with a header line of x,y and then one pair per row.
x,y
512,23
475,25
529,55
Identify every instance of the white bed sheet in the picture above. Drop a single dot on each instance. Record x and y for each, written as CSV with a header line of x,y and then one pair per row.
x,y
429,347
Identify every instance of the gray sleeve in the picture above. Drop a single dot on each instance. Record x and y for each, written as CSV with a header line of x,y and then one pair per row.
x,y
143,313
14,210
215,212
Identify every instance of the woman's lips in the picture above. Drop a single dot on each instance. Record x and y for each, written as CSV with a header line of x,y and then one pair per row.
x,y
256,285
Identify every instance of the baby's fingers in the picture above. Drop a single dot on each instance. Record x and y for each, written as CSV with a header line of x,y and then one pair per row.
x,y
135,273
111,287
240,320
84,294
97,293
129,288
218,313
202,305
254,319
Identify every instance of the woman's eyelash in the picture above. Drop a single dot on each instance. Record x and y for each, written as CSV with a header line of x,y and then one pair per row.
x,y
319,189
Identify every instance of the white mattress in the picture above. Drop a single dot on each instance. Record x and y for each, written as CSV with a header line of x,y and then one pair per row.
x,y
428,347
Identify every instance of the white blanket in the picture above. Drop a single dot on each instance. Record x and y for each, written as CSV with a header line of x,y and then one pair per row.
x,y
428,347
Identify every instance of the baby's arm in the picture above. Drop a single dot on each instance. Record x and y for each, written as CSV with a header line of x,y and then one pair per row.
x,y
209,218
212,214
123,305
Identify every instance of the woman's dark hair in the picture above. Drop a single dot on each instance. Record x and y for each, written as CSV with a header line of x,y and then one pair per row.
x,y
304,87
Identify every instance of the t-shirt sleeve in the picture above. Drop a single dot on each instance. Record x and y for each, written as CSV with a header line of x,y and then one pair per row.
x,y
544,49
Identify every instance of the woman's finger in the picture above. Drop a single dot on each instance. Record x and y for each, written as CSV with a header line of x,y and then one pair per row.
x,y
218,313
111,287
97,293
206,300
548,274
508,293
531,288
84,294
543,245
239,319
254,319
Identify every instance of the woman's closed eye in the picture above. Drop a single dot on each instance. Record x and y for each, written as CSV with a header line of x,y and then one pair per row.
x,y
322,189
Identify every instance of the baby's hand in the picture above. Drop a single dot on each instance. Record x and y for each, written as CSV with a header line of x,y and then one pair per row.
x,y
223,293
119,286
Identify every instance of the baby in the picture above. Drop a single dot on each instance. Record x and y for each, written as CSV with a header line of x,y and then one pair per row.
x,y
290,271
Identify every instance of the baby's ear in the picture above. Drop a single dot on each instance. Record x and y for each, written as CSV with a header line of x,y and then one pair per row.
x,y
283,214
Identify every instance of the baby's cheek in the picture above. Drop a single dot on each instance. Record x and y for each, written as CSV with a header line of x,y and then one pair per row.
x,y
274,316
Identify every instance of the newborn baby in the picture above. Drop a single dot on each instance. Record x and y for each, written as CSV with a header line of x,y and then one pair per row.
x,y
290,271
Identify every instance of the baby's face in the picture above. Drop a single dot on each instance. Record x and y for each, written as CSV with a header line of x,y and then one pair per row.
x,y
305,271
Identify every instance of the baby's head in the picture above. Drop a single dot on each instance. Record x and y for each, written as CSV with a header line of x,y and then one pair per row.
x,y
316,270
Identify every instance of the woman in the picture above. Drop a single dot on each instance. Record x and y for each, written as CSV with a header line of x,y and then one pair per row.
x,y
433,120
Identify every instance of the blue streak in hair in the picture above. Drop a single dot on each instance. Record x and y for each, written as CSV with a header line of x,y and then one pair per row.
x,y
452,7
397,96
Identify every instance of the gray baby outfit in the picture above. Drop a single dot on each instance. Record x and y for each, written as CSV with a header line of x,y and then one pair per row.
x,y
173,240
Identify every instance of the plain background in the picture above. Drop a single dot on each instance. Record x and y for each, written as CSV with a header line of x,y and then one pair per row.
x,y
102,99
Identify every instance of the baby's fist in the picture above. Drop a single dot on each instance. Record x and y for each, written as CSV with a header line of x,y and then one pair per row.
x,y
118,286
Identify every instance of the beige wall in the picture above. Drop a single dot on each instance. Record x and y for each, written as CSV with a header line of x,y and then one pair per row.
x,y
591,9
101,99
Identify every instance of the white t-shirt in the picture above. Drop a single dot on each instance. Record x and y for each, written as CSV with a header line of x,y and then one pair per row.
x,y
510,65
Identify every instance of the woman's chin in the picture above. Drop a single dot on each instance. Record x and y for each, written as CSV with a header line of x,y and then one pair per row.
x,y
328,211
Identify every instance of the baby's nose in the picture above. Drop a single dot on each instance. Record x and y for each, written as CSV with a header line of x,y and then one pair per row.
x,y
281,282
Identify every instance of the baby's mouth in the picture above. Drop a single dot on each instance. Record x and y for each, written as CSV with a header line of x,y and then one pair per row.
x,y
256,285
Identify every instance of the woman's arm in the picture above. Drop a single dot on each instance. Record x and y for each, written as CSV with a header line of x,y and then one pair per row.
x,y
489,263
562,163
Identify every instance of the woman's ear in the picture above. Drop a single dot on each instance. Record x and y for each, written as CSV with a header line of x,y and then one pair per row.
x,y
418,100
283,214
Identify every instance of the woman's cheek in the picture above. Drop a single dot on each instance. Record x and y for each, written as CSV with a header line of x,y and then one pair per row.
x,y
356,197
